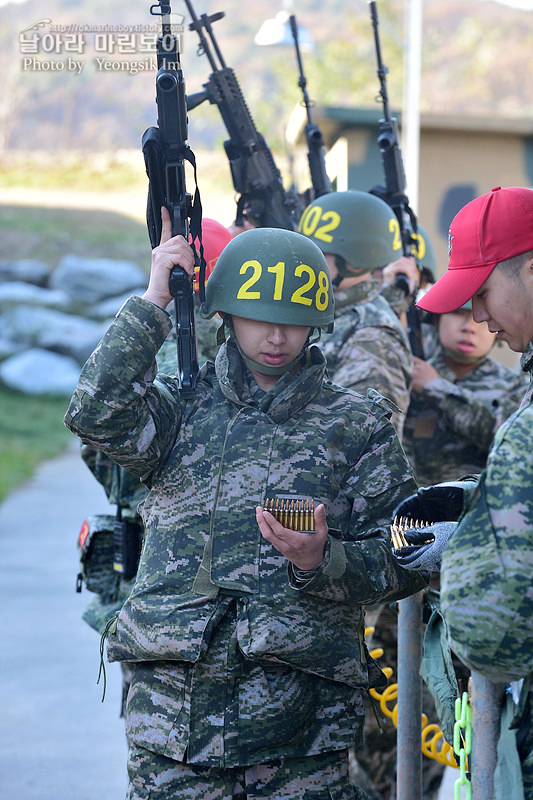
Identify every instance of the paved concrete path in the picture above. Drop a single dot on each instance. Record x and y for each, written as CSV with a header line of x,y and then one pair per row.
x,y
58,741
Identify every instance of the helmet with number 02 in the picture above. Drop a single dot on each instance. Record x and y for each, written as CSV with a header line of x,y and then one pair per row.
x,y
357,226
272,275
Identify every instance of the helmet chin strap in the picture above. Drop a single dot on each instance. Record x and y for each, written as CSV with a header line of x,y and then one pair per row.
x,y
462,358
264,369
343,271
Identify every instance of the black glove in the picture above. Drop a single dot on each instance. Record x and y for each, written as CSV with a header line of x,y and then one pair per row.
x,y
438,503
425,546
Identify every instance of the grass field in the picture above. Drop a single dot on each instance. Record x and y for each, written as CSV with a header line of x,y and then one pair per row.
x,y
48,234
73,171
85,207
31,428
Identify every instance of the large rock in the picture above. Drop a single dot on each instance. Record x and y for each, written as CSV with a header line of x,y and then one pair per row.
x,y
108,308
39,372
19,293
89,280
26,269
9,347
46,328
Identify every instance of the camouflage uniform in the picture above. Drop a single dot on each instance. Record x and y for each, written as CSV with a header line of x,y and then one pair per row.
x,y
451,422
486,593
428,331
448,431
237,662
126,491
369,348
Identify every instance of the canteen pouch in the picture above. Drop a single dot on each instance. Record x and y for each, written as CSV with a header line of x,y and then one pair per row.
x,y
127,544
96,550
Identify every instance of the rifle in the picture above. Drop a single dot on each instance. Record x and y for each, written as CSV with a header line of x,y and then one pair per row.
x,y
315,141
165,152
256,178
395,192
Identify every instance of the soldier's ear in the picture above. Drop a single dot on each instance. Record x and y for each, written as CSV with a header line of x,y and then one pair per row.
x,y
526,273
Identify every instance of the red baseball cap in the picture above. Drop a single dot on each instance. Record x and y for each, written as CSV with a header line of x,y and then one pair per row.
x,y
489,229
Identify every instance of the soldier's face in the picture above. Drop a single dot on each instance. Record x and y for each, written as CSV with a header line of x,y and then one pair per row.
x,y
461,334
505,303
268,343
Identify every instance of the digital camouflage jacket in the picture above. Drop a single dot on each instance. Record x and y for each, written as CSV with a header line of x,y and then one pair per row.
x,y
368,348
121,487
209,462
487,569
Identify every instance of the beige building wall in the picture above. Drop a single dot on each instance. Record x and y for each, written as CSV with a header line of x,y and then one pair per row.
x,y
451,157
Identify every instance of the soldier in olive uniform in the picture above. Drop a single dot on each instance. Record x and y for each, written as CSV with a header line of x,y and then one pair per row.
x,y
246,635
368,349
357,232
487,557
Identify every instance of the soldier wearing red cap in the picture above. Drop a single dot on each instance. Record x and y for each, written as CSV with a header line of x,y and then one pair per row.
x,y
487,563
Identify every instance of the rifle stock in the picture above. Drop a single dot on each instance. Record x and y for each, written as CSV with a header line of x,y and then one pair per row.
x,y
165,152
395,186
313,135
255,176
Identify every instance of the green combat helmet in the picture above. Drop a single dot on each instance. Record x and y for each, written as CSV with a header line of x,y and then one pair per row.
x,y
357,227
272,275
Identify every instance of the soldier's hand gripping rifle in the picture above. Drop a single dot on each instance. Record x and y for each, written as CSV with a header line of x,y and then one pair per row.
x,y
255,175
394,192
313,135
165,152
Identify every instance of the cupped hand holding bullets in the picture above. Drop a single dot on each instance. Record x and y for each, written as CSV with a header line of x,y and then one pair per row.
x,y
297,529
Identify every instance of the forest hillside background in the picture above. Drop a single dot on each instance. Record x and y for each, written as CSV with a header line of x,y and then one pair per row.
x,y
475,61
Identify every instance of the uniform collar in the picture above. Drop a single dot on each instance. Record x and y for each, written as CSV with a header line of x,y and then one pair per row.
x,y
438,361
353,295
526,360
289,394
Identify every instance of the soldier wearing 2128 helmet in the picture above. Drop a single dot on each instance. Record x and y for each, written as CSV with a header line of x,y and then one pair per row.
x,y
359,234
245,630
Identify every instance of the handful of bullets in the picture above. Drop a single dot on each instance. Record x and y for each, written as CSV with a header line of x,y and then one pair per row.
x,y
297,515
402,524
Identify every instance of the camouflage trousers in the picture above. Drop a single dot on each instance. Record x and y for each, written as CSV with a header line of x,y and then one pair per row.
x,y
321,777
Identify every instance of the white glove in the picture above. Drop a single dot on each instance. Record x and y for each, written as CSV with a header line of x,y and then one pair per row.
x,y
421,554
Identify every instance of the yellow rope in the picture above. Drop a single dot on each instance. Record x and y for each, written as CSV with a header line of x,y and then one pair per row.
x,y
434,745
